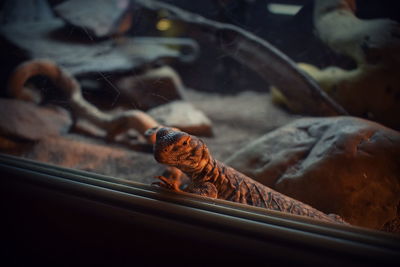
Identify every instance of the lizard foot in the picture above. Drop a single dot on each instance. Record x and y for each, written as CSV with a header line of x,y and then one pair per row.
x,y
168,183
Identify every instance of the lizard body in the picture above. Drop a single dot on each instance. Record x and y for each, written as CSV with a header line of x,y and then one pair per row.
x,y
212,178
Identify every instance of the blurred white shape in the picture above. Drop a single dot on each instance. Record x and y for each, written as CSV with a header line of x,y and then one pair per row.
x,y
283,9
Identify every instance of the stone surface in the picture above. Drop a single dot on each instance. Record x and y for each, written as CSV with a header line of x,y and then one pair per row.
x,y
341,165
369,91
50,39
24,120
25,11
183,115
153,88
101,17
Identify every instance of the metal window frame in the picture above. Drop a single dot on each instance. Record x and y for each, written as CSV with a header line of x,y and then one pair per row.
x,y
229,230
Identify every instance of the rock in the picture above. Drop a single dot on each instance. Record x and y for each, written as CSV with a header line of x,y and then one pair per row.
x,y
102,17
82,56
183,115
25,11
342,165
153,88
372,89
393,226
358,89
24,120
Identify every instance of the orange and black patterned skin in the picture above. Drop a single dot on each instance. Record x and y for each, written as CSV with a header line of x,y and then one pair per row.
x,y
212,178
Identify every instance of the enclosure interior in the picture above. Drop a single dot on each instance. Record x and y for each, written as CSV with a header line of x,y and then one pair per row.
x,y
302,96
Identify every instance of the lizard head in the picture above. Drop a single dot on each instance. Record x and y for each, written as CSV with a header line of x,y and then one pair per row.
x,y
179,149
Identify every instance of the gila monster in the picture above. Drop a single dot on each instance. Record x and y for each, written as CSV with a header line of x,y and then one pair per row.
x,y
211,178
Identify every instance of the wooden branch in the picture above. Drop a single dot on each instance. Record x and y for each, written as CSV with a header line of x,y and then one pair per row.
x,y
114,124
276,68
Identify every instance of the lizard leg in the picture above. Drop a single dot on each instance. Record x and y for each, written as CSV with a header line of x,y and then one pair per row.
x,y
173,179
205,189
168,183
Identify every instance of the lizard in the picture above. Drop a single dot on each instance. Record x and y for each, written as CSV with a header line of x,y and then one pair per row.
x,y
211,178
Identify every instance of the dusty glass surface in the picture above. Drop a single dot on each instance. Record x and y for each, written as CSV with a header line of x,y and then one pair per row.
x,y
85,81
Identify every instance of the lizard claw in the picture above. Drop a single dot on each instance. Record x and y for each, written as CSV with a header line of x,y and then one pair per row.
x,y
159,184
167,183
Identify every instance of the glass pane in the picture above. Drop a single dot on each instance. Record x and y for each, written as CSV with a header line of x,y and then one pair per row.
x,y
300,98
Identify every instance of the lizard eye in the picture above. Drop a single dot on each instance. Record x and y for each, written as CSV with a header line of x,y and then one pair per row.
x,y
184,143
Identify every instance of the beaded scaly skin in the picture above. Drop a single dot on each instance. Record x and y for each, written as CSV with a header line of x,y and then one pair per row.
x,y
212,178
